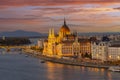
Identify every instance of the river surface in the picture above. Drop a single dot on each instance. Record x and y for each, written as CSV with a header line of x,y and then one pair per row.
x,y
15,66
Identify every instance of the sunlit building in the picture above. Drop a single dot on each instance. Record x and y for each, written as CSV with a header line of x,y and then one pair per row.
x,y
106,51
99,50
67,44
85,46
63,44
40,43
114,51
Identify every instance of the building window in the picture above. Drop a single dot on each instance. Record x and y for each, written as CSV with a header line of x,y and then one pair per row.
x,y
110,56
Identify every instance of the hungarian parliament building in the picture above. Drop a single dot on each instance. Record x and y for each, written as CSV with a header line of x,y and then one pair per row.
x,y
65,44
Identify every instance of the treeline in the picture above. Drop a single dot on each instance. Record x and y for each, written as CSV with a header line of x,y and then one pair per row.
x,y
14,41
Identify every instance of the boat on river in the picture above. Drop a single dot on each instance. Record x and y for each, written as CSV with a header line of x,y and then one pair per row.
x,y
26,55
114,68
42,61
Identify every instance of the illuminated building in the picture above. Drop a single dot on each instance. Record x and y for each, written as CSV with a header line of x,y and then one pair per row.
x,y
114,51
85,46
65,44
99,50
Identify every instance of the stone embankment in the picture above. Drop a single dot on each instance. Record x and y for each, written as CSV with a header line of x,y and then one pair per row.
x,y
74,62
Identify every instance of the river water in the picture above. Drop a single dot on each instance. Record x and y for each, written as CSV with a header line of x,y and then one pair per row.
x,y
15,66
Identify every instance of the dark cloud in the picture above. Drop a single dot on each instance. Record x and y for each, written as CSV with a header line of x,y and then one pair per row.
x,y
17,18
15,21
32,19
40,15
118,8
48,8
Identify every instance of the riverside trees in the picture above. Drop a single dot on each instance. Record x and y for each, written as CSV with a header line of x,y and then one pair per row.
x,y
14,41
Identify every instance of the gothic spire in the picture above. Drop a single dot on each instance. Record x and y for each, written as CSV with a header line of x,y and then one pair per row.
x,y
64,21
50,33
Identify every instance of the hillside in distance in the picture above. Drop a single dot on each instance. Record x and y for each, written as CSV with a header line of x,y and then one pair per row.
x,y
22,33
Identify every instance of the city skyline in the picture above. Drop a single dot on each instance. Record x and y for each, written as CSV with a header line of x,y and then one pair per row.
x,y
40,15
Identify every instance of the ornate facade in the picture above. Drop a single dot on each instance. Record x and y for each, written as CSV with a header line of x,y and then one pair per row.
x,y
99,50
114,51
65,44
85,46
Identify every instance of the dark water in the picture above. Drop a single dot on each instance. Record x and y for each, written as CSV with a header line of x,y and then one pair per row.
x,y
19,67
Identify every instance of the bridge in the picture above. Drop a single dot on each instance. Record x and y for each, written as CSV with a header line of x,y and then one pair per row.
x,y
10,47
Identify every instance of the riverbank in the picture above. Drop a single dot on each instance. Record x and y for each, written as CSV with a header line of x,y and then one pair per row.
x,y
73,62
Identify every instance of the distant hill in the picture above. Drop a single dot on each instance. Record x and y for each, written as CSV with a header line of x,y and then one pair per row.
x,y
22,33
99,33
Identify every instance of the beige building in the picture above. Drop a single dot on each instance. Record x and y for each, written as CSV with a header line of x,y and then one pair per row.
x,y
40,43
85,46
114,53
99,50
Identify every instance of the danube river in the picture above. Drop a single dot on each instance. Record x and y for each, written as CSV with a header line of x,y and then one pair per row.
x,y
15,66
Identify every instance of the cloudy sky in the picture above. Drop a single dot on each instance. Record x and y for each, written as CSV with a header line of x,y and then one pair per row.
x,y
40,15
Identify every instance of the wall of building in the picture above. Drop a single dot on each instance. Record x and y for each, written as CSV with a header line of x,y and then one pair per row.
x,y
114,53
99,51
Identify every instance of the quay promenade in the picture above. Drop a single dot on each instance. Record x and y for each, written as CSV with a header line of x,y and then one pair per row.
x,y
10,47
73,62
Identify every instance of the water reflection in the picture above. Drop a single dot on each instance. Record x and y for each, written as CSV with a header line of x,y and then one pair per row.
x,y
10,51
63,72
108,75
52,72
2,50
19,67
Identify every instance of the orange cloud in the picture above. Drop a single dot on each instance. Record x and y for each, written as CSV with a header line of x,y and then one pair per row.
x,y
39,15
49,2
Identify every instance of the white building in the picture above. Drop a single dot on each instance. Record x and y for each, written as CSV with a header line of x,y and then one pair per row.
x,y
99,50
114,53
40,43
76,48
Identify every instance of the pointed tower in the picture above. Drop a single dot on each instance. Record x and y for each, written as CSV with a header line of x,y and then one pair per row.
x,y
51,43
50,33
76,38
51,37
64,30
64,22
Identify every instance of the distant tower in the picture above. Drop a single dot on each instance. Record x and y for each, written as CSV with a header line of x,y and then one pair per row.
x,y
51,37
64,21
51,33
3,37
76,39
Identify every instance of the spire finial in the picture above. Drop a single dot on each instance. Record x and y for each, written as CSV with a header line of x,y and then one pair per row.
x,y
64,21
50,32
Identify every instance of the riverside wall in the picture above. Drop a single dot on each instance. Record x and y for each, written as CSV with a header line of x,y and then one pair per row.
x,y
73,62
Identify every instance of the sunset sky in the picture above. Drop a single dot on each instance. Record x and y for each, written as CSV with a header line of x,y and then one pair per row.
x,y
40,15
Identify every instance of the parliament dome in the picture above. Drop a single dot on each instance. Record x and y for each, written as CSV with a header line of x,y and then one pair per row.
x,y
64,28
